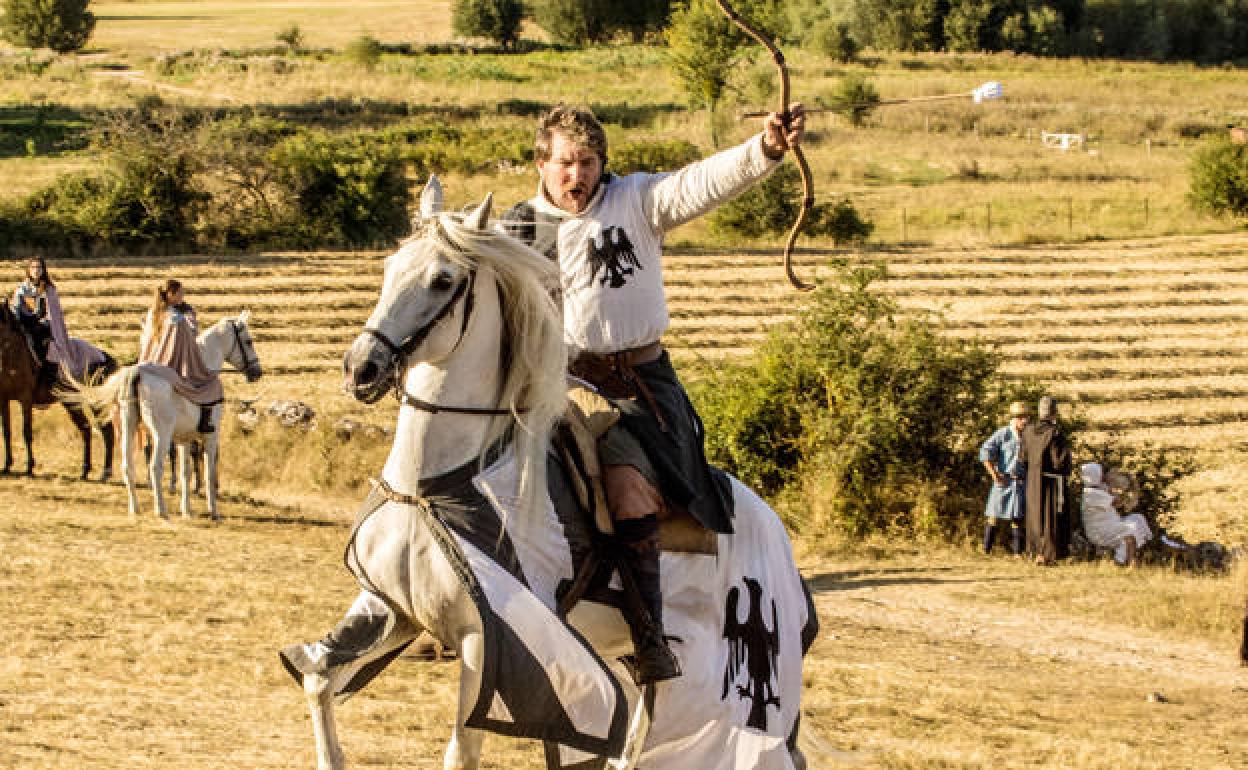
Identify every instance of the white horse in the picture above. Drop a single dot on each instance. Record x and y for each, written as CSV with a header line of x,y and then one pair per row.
x,y
467,333
171,419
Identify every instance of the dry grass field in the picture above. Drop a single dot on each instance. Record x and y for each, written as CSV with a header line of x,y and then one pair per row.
x,y
135,645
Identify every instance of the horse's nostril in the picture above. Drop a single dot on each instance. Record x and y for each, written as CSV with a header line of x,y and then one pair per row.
x,y
366,373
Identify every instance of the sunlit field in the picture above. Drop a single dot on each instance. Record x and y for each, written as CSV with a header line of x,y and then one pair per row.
x,y
140,644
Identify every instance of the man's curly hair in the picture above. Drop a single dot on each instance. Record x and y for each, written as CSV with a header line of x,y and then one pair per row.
x,y
577,124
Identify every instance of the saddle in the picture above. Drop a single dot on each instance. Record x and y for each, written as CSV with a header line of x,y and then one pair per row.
x,y
588,417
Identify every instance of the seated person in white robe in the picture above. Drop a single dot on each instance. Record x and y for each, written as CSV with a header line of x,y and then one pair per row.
x,y
1102,524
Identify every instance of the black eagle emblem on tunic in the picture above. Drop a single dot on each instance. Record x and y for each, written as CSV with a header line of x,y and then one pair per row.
x,y
754,648
613,254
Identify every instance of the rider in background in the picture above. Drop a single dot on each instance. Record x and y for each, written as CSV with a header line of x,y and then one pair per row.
x,y
30,304
168,338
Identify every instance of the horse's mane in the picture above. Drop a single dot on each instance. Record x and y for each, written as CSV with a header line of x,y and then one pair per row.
x,y
535,355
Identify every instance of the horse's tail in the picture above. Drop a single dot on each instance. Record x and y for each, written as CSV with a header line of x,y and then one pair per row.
x,y
97,401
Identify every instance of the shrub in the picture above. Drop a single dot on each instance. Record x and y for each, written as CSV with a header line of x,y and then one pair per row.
x,y
292,37
654,155
497,20
871,405
771,207
1219,178
340,192
841,222
834,40
62,25
854,98
364,51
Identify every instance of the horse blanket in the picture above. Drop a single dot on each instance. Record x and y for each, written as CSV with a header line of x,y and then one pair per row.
x,y
743,619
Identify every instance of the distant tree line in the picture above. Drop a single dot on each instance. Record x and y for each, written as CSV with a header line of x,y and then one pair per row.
x,y
1160,30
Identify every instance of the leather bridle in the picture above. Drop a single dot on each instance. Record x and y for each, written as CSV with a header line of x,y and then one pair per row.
x,y
250,365
399,351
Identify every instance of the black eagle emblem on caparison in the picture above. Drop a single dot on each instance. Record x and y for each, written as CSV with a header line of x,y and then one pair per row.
x,y
613,254
754,650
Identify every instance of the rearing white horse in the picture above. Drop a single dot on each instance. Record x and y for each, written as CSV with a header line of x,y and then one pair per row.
x,y
170,418
460,538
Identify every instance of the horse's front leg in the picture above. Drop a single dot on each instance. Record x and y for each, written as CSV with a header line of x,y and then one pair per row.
x,y
28,436
210,447
184,480
319,689
464,750
8,446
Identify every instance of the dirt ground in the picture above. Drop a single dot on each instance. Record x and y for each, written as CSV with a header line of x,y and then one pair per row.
x,y
133,644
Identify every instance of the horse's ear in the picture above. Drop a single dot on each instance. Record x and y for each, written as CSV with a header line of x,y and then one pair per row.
x,y
244,317
480,216
431,198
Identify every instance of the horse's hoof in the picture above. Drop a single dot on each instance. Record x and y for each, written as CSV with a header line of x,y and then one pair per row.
x,y
106,476
86,472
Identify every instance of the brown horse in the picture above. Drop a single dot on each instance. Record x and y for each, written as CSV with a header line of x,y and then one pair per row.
x,y
19,382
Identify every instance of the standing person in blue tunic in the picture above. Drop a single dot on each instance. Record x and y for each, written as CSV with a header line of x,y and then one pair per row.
x,y
1007,499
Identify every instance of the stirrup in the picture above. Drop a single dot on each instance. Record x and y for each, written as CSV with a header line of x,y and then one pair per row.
x,y
652,660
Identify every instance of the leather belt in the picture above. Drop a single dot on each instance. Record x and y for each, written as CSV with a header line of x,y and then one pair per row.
x,y
631,357
613,375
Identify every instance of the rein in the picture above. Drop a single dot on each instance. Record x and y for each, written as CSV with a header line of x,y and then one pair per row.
x,y
400,351
249,364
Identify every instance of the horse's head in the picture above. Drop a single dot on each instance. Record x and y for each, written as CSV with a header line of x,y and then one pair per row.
x,y
242,351
426,300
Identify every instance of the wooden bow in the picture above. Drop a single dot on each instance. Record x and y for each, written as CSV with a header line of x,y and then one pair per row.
x,y
808,186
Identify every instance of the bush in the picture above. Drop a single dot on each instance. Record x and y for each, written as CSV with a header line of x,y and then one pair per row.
x,y
854,98
364,51
869,405
771,207
62,25
292,37
341,192
841,222
653,156
833,39
497,20
1219,179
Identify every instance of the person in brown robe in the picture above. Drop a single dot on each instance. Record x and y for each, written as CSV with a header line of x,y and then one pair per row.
x,y
1045,454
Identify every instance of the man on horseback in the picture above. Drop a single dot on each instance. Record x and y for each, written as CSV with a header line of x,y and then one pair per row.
x,y
606,233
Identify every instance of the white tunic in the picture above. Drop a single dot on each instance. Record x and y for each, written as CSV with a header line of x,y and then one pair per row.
x,y
610,254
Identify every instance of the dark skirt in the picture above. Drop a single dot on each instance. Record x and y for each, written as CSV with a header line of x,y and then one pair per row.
x,y
674,446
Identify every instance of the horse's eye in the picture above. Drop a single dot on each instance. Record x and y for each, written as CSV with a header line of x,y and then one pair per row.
x,y
441,282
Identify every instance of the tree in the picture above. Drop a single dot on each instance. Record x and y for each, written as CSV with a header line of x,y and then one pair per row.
x,y
497,20
706,48
62,25
577,22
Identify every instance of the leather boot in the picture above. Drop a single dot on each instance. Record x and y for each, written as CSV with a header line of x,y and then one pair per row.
x,y
639,571
1016,538
205,420
990,534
